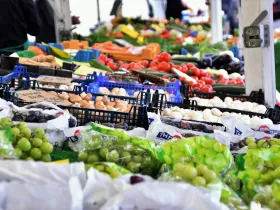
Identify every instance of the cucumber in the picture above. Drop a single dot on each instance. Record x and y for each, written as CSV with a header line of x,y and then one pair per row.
x,y
157,73
182,62
185,58
98,65
233,89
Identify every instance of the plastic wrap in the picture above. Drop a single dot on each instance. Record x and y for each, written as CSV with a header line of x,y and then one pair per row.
x,y
106,144
41,173
197,150
7,150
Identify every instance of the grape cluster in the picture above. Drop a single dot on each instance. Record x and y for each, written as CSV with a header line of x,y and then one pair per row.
x,y
215,155
198,176
31,146
120,152
252,143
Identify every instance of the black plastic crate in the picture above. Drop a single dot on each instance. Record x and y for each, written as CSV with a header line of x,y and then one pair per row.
x,y
255,96
274,114
159,103
137,115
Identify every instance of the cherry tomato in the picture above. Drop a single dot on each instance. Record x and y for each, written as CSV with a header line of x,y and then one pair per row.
x,y
196,72
204,78
202,73
206,89
112,66
164,57
201,82
103,58
124,66
232,82
164,66
190,65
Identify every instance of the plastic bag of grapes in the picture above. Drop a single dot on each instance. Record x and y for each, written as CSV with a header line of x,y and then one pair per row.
x,y
7,150
197,150
135,154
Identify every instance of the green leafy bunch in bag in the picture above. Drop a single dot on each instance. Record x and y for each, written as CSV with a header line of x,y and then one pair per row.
x,y
197,150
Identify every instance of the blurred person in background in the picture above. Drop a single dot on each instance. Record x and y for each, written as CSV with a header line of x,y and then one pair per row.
x,y
17,19
230,8
174,9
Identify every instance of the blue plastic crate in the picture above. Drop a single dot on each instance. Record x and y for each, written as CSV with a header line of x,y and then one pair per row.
x,y
86,55
7,78
103,81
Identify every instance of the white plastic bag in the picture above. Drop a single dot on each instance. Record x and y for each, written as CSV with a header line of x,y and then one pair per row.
x,y
165,196
61,122
34,196
41,173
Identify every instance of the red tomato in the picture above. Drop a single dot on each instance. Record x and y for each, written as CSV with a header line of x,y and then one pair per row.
x,y
190,65
145,63
208,74
112,66
103,58
201,82
206,89
224,81
120,62
124,66
210,81
196,71
204,78
232,82
171,64
178,67
197,86
132,65
110,60
185,70
101,61
240,83
165,77
154,63
222,77
191,83
202,73
164,57
164,66
195,77
183,79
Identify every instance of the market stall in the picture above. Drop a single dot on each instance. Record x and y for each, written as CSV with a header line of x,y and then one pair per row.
x,y
141,114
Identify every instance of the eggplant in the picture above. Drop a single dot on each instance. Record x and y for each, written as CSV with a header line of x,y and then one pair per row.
x,y
221,60
206,62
